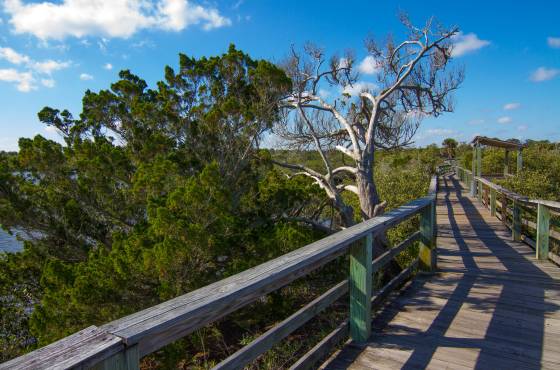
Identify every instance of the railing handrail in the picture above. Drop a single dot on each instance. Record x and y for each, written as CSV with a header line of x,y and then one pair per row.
x,y
512,194
127,339
544,221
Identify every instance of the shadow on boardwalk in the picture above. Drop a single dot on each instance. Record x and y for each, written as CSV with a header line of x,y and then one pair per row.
x,y
491,306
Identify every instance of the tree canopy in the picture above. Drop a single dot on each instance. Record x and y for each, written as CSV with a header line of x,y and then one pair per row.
x,y
156,192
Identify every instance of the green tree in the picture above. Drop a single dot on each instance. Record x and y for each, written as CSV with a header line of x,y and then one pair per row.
x,y
450,147
156,192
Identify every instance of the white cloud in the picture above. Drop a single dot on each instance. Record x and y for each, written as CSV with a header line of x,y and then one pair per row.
x,y
108,66
477,121
49,66
176,15
369,65
466,43
544,74
24,80
51,129
358,87
511,106
343,63
439,131
504,119
433,135
13,56
108,18
48,82
553,42
522,128
86,77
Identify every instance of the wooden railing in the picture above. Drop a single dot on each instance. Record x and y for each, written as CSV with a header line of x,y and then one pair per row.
x,y
510,207
120,344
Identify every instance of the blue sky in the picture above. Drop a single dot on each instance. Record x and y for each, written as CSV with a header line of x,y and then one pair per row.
x,y
52,51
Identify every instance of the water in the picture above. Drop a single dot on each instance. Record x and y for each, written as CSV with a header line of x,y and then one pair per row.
x,y
9,243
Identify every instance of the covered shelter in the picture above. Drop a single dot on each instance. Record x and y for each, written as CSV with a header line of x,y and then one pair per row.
x,y
509,146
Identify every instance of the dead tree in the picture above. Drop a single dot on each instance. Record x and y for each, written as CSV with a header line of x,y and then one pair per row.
x,y
413,81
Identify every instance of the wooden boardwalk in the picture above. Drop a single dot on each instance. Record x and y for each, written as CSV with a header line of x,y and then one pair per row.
x,y
491,305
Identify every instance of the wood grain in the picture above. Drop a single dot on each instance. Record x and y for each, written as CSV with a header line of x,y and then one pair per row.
x,y
492,305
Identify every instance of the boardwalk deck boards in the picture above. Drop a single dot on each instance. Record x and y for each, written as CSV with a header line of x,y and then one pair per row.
x,y
492,304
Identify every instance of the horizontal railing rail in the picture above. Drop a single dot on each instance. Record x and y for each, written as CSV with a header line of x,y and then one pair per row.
x,y
497,199
121,344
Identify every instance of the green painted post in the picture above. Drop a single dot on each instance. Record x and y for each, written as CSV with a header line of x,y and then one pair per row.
x,y
519,161
516,221
434,220
473,183
428,252
480,190
360,281
128,359
493,201
479,161
543,230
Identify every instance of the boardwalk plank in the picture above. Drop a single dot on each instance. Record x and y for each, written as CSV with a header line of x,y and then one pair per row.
x,y
492,304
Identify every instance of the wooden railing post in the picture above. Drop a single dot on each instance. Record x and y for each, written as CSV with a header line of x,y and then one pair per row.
x,y
503,210
428,253
128,359
360,284
493,201
543,229
479,191
473,173
516,221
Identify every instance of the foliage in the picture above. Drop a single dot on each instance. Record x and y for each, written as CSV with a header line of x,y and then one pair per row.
x,y
158,192
449,147
540,177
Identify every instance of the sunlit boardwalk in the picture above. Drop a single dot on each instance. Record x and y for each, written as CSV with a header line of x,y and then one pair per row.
x,y
491,305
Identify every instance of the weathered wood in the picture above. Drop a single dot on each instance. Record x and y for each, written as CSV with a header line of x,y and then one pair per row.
x,y
82,349
549,203
127,359
387,256
493,201
479,191
151,329
553,234
427,253
516,222
543,227
322,349
280,331
473,173
491,305
483,140
380,296
504,209
478,160
155,327
360,285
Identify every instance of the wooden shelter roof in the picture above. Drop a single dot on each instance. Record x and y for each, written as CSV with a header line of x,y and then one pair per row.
x,y
483,140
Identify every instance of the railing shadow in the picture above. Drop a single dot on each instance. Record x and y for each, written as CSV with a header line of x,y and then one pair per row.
x,y
512,338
